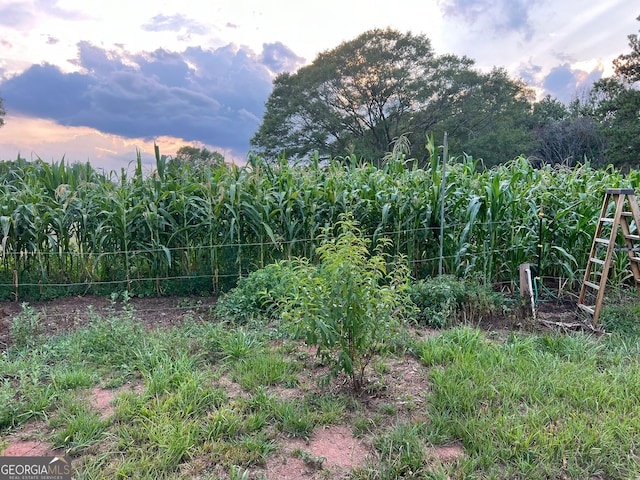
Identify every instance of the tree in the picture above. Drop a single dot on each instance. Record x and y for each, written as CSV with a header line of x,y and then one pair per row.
x,y
194,158
491,118
349,305
616,105
364,94
354,97
627,65
566,134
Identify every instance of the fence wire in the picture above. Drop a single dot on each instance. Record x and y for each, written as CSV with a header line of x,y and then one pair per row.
x,y
236,260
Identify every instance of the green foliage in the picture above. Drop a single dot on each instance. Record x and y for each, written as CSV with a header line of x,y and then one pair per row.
x,y
257,295
520,405
442,301
349,305
364,94
194,159
622,319
437,300
402,450
616,105
567,135
77,427
27,328
188,234
534,406
627,65
263,370
111,341
239,344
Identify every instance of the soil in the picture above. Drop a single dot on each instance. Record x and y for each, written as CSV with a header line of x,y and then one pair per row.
x,y
329,453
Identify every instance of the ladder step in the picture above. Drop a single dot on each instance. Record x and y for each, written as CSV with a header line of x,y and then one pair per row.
x,y
627,214
603,241
595,286
586,308
596,260
633,237
634,259
607,219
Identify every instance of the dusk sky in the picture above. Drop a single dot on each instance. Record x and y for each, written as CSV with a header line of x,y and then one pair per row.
x,y
99,80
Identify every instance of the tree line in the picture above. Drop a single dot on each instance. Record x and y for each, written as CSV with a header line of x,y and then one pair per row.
x,y
384,85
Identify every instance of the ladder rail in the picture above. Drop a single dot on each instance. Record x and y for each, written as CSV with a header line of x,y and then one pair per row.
x,y
629,237
597,240
620,220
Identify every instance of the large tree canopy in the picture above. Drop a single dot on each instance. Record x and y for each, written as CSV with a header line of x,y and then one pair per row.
x,y
566,134
367,92
616,106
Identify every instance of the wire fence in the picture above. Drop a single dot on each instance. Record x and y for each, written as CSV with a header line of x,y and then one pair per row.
x,y
217,267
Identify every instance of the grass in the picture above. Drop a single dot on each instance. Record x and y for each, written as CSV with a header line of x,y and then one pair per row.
x,y
522,406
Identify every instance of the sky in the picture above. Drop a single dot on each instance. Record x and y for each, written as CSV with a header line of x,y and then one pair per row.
x,y
103,80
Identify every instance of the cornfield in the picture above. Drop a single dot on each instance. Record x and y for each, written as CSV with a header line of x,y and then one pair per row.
x,y
69,229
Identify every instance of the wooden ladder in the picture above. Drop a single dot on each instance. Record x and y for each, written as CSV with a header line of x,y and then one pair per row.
x,y
625,210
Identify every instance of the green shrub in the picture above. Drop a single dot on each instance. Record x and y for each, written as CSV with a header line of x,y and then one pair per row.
x,y
259,294
441,301
27,329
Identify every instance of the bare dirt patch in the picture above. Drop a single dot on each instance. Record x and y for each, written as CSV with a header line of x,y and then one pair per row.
x,y
101,399
331,453
67,314
445,453
26,442
28,448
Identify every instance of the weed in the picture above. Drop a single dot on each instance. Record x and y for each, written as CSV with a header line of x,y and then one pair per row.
x,y
263,370
27,328
623,319
258,295
239,344
518,406
238,473
330,409
295,418
77,427
311,461
402,451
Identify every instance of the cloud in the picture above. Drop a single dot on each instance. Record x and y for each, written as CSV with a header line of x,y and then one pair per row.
x,y
566,83
501,16
16,15
215,96
175,23
280,58
50,7
529,73
23,14
34,138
